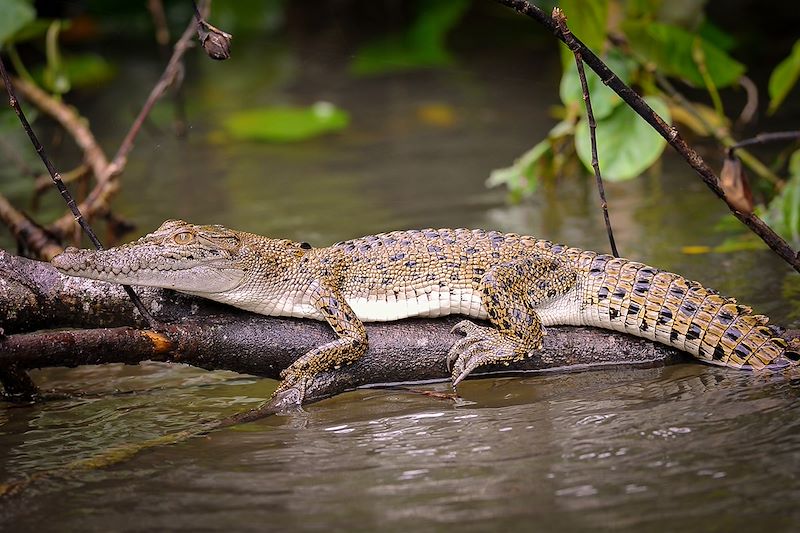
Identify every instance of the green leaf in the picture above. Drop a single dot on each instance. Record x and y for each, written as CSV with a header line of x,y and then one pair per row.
x,y
669,48
783,212
520,177
626,144
715,35
286,124
421,46
783,78
14,15
587,21
604,100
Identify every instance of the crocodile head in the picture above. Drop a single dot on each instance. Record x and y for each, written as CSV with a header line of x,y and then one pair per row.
x,y
203,260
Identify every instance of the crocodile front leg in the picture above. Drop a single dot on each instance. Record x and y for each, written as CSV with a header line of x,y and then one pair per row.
x,y
510,293
351,344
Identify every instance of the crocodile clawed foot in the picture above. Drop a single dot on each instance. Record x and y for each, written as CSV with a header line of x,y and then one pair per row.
x,y
291,391
482,345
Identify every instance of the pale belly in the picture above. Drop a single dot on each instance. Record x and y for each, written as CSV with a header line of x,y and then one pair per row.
x,y
424,304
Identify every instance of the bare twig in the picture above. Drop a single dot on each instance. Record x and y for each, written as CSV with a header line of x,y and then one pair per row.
x,y
720,134
51,169
156,8
751,105
629,96
569,39
764,138
96,201
43,182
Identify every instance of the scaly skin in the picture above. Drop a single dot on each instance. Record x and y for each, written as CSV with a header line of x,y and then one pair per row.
x,y
518,283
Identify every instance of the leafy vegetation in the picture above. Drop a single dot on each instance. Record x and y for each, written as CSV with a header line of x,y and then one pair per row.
x,y
421,45
286,124
649,44
646,47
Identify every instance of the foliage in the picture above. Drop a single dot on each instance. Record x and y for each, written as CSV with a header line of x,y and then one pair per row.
x,y
626,144
286,124
421,45
646,42
671,50
783,213
784,77
14,15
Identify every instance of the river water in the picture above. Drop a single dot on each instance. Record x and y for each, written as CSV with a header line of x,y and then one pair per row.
x,y
685,447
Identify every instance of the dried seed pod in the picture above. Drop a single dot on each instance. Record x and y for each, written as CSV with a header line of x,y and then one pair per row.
x,y
216,42
733,181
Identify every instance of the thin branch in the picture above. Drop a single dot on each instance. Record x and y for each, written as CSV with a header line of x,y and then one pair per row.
x,y
751,105
156,8
720,134
62,189
561,20
764,138
773,240
97,200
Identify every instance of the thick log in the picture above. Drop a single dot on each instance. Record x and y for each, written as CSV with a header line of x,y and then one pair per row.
x,y
34,296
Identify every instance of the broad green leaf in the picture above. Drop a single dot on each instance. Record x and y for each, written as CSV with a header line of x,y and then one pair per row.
x,y
783,78
783,212
626,144
14,15
421,46
520,177
604,100
715,35
286,124
587,21
669,48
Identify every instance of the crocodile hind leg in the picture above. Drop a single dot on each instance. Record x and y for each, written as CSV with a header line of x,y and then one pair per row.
x,y
510,293
346,349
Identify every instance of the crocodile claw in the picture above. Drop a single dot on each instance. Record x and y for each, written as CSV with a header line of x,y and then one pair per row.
x,y
291,391
481,345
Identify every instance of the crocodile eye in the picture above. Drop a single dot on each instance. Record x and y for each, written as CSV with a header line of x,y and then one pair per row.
x,y
185,237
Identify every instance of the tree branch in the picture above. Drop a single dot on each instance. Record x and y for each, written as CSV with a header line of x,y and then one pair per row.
x,y
212,336
97,200
772,239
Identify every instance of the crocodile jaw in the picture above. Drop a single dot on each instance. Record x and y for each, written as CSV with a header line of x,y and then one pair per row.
x,y
149,266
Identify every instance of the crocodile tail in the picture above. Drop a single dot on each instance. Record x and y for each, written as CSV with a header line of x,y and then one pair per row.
x,y
665,307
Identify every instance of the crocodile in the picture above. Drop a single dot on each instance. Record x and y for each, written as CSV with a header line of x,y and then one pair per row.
x,y
516,283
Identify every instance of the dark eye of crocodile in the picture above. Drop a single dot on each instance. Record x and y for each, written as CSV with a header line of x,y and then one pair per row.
x,y
305,246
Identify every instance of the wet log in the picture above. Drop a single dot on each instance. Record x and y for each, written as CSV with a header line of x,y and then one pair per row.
x,y
37,303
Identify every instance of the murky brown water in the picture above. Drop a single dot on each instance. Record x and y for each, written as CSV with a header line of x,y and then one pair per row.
x,y
688,447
